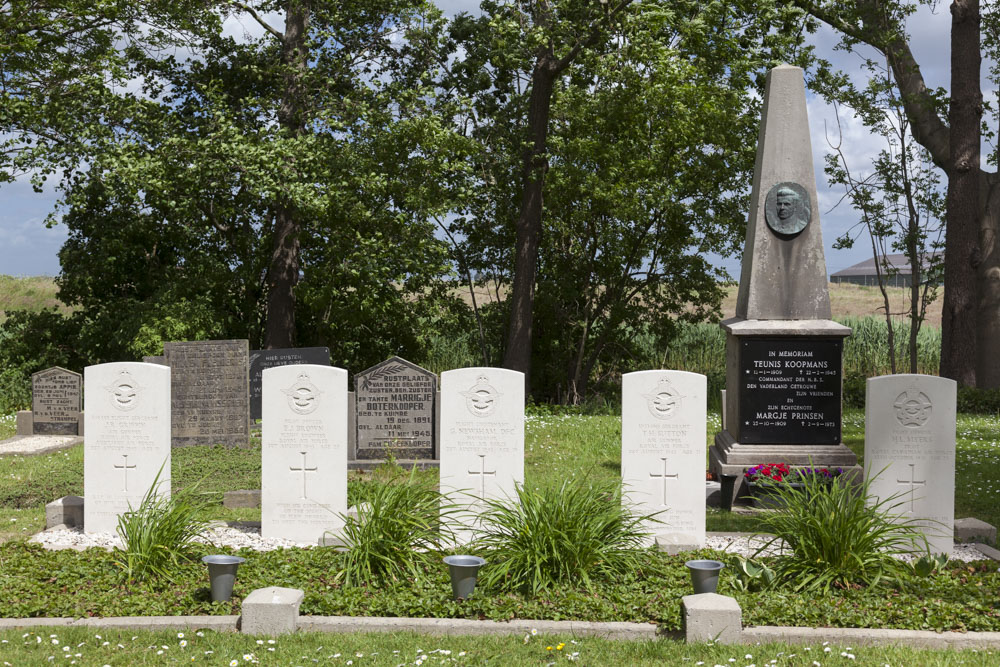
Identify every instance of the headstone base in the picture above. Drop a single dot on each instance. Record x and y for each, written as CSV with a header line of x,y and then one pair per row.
x,y
728,457
25,423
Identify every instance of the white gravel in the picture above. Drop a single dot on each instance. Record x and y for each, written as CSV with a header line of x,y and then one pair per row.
x,y
745,545
248,536
237,537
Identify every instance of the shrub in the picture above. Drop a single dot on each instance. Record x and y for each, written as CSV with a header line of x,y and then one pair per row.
x,y
398,526
159,534
838,536
560,535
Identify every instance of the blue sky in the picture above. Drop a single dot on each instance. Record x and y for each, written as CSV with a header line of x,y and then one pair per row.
x,y
29,248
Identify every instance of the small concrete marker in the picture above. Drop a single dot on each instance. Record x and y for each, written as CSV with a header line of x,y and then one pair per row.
x,y
271,611
67,511
969,529
241,498
711,617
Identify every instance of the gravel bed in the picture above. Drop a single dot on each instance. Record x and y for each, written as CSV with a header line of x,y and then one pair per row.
x,y
237,537
248,536
745,545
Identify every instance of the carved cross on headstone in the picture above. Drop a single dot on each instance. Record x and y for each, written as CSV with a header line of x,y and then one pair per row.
x,y
912,483
303,470
665,477
482,474
124,467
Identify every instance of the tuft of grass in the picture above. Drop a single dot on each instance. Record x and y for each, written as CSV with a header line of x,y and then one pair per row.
x,y
839,535
159,534
554,535
399,524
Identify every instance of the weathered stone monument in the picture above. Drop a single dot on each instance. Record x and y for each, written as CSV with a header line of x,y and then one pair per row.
x,y
395,411
910,450
304,451
482,438
55,402
663,453
783,350
261,359
127,415
210,398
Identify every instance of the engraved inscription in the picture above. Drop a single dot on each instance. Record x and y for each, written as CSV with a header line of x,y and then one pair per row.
x,y
55,401
395,411
209,392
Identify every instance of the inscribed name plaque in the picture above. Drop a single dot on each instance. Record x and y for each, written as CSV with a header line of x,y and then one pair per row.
x,y
482,438
261,359
910,450
209,392
395,403
55,401
127,422
663,452
303,451
790,390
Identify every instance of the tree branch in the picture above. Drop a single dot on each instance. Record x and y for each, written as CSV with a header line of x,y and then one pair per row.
x,y
257,17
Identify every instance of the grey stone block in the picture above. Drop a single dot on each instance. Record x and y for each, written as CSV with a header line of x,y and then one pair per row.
x,y
241,498
711,617
67,511
25,423
79,424
271,611
974,530
667,544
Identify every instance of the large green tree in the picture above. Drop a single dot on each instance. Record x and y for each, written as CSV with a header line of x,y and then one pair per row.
x,y
269,179
642,169
948,125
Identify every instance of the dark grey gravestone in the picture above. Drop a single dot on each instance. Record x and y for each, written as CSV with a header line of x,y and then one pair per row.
x,y
55,401
209,401
261,359
395,411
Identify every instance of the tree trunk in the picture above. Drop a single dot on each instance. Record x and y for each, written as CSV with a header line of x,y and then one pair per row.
x,y
517,355
283,271
959,317
988,301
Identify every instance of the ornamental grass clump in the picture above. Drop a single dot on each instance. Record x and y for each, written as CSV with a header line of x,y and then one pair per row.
x,y
160,534
399,526
562,535
838,535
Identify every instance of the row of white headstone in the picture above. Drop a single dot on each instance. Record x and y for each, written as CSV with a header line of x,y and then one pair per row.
x,y
304,446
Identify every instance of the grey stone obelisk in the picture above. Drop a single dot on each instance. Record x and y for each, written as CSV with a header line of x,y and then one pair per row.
x,y
783,350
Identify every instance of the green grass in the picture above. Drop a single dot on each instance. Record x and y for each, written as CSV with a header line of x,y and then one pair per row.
x,y
8,426
556,447
28,293
89,646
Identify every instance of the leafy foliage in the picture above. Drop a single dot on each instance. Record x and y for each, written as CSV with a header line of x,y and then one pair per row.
x,y
838,535
400,525
558,534
159,534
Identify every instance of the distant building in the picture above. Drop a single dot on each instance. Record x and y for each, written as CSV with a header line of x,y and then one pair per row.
x,y
864,272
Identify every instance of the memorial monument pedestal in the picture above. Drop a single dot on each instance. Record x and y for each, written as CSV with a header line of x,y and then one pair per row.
x,y
784,397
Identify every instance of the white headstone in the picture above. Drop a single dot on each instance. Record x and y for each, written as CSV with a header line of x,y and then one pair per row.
x,y
482,438
910,445
303,451
663,452
127,426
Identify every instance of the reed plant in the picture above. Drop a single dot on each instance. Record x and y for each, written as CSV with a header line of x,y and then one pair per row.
x,y
160,534
560,535
398,527
837,535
